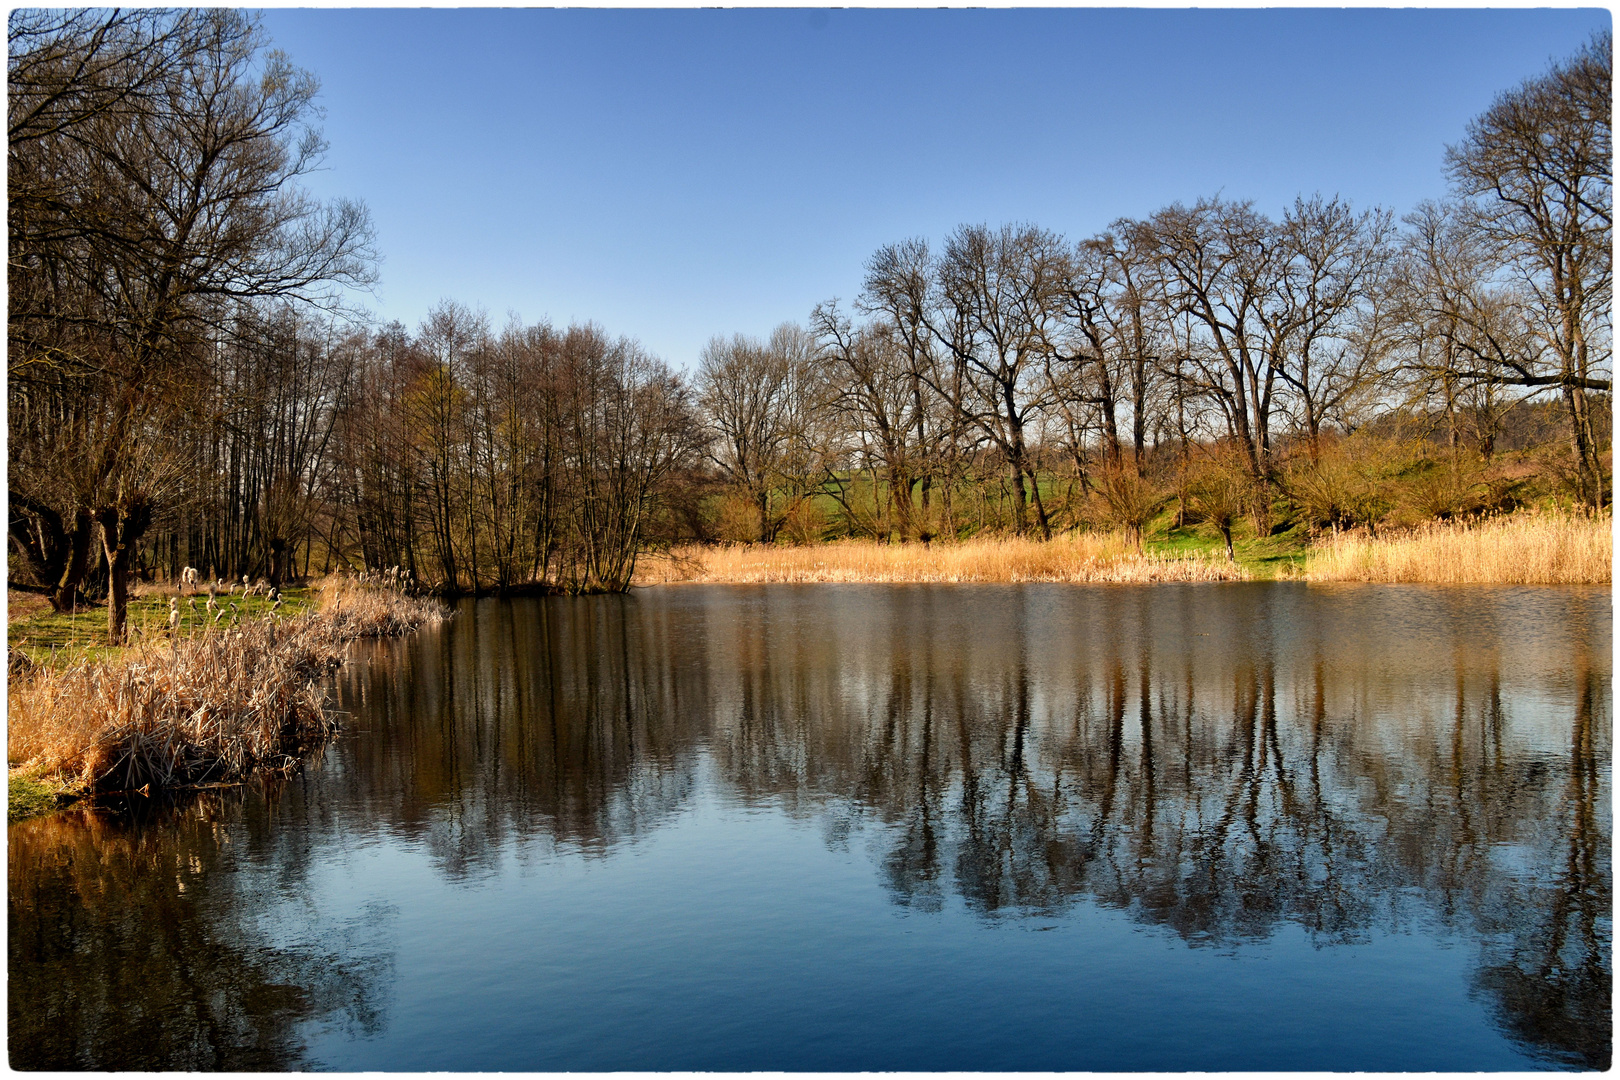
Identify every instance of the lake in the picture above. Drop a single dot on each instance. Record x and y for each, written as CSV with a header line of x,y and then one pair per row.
x,y
874,827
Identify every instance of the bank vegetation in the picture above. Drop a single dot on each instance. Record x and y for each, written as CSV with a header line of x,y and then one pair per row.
x,y
236,697
1082,558
1527,549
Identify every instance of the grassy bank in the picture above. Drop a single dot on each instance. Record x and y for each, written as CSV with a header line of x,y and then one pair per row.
x,y
27,796
187,710
1088,557
54,639
1525,549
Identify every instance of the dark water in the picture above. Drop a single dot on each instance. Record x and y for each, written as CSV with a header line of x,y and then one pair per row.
x,y
880,827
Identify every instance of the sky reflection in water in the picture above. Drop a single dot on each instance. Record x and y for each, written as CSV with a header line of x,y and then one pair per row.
x,y
881,827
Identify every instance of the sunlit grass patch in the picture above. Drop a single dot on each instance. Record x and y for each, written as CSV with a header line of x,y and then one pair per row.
x,y
28,796
1264,557
56,639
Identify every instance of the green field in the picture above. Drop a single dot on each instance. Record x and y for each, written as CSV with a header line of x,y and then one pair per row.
x,y
58,639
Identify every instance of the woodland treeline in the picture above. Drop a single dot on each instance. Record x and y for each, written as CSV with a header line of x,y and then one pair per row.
x,y
188,388
1208,353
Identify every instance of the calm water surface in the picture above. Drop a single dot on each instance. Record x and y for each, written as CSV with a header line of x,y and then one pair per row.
x,y
834,827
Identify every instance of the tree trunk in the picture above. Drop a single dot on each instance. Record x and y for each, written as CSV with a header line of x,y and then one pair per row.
x,y
278,558
900,492
58,556
65,595
121,529
1589,471
1260,509
1040,507
1020,515
117,592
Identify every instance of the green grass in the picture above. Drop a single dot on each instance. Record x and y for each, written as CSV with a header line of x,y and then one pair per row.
x,y
60,639
1266,557
28,797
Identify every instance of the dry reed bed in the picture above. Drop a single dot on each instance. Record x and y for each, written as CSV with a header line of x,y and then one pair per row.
x,y
360,611
1525,549
208,709
1084,558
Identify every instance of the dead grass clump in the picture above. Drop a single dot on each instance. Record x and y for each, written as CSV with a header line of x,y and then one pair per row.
x,y
1523,549
198,710
360,610
205,709
19,664
1082,558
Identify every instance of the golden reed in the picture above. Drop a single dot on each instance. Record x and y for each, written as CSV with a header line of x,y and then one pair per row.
x,y
193,710
1523,549
1083,558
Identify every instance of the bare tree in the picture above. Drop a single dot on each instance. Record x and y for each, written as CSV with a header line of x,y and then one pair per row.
x,y
1335,298
989,304
1464,334
631,426
165,211
1536,174
440,409
744,389
815,444
897,291
880,394
1221,264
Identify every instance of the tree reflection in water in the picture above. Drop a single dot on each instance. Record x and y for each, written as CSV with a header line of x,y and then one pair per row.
x,y
1217,761
132,947
1343,760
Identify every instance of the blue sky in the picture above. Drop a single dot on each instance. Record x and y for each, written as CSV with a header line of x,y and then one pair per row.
x,y
676,174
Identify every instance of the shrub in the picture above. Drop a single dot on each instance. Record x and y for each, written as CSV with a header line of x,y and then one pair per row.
x,y
1219,492
1124,499
805,523
736,519
1350,484
1442,490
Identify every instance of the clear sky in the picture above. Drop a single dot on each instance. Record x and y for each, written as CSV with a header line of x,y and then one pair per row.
x,y
676,174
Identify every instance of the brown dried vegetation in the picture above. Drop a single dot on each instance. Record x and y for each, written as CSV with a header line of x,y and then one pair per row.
x,y
1085,557
1524,549
203,710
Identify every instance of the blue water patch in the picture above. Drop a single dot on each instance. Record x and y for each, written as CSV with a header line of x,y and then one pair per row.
x,y
853,828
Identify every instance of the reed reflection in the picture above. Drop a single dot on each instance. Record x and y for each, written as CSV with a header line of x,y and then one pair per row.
x,y
142,945
1215,765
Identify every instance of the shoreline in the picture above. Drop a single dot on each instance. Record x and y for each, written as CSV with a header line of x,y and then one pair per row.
x,y
187,712
1522,549
1083,559
178,711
